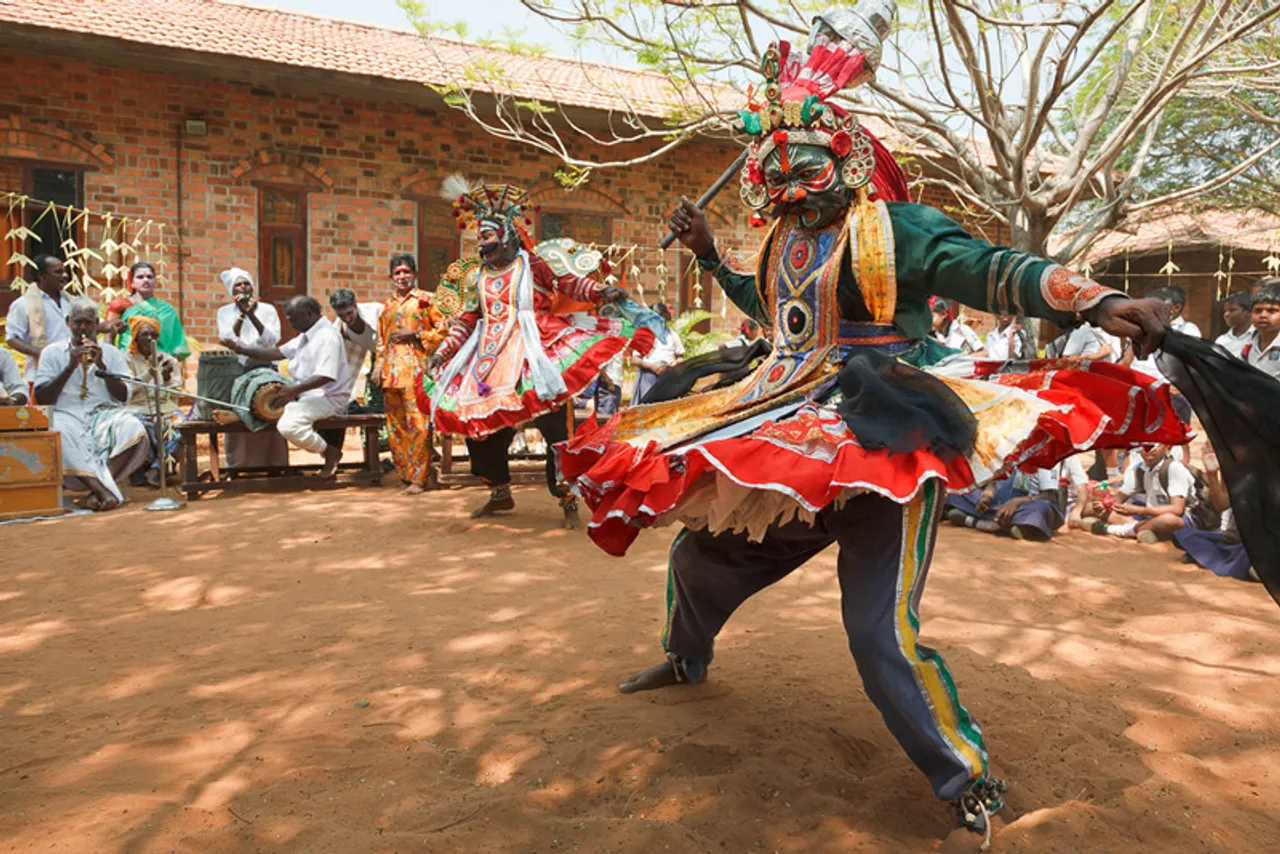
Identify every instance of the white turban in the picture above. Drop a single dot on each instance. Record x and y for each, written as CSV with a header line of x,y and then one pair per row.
x,y
235,274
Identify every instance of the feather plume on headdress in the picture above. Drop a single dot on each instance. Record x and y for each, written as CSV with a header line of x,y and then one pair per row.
x,y
454,186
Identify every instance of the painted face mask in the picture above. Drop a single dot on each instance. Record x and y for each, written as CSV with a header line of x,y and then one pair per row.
x,y
803,181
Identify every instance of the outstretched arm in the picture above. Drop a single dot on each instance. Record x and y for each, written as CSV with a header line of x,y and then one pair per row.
x,y
935,255
690,224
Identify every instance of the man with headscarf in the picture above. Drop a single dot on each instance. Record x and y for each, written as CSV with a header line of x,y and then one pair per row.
x,y
251,323
246,319
150,364
102,441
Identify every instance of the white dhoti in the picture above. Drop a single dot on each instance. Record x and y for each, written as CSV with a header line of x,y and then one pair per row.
x,y
111,445
297,422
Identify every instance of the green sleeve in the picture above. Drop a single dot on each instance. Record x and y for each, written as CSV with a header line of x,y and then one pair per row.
x,y
935,255
739,287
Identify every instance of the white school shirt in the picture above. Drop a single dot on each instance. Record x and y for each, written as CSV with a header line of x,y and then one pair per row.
x,y
11,381
1233,343
356,347
1186,327
249,335
665,353
1140,479
319,352
1072,471
1268,360
1005,345
960,337
18,325
1084,340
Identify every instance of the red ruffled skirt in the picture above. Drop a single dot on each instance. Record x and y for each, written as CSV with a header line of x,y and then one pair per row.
x,y
639,470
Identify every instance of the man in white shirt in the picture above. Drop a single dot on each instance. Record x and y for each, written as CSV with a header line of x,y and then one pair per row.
x,y
1237,313
1087,343
38,318
13,388
358,326
1008,341
318,366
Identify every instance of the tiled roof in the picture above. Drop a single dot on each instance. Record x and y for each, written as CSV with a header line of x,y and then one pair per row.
x,y
233,29
1152,231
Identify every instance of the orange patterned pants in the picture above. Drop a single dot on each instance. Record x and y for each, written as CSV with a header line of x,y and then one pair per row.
x,y
407,435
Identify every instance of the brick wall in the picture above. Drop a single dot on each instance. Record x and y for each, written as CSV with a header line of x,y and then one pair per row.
x,y
369,166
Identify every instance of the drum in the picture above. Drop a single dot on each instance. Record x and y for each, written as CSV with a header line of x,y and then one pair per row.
x,y
216,374
265,405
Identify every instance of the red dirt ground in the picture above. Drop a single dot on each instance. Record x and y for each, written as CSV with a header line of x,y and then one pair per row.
x,y
356,671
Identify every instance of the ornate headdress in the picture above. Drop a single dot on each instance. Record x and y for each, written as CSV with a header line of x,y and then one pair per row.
x,y
499,205
796,107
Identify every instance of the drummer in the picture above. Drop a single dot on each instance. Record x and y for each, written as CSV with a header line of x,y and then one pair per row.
x,y
318,366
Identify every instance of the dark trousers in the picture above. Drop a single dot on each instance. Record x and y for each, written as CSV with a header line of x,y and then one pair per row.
x,y
885,549
489,455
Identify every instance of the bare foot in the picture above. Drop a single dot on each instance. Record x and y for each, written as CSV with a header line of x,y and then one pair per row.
x,y
224,416
661,676
413,489
492,507
332,456
572,521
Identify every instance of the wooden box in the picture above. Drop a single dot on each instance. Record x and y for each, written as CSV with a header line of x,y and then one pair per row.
x,y
24,418
30,474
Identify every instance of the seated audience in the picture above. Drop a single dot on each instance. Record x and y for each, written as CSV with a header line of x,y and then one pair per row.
x,y
1218,550
102,441
1023,506
13,389
149,364
1157,498
318,366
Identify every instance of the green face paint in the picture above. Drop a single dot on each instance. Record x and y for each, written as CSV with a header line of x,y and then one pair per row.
x,y
804,182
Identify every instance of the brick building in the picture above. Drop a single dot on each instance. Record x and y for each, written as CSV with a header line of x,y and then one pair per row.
x,y
1216,253
308,150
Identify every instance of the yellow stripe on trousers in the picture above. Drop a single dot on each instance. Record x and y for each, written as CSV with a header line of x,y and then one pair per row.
x,y
916,517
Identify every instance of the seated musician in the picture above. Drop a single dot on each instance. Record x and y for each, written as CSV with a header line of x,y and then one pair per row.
x,y
13,390
151,365
318,366
102,440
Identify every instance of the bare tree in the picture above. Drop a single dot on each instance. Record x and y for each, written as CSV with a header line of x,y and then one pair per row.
x,y
1028,114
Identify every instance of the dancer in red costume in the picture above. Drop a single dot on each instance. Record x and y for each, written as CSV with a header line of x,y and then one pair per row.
x,y
856,426
507,359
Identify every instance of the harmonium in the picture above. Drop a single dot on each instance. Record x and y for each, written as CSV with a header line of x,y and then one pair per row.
x,y
30,463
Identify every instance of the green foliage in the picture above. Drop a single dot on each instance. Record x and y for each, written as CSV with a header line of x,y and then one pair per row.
x,y
697,343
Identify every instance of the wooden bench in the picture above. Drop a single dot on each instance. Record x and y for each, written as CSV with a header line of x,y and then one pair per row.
x,y
275,478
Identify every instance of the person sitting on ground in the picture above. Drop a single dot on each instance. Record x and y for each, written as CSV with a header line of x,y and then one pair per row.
x,y
1219,549
1023,506
663,355
1261,351
1237,313
148,364
748,331
1008,341
318,366
1155,499
950,331
13,388
142,283
38,318
1078,490
102,441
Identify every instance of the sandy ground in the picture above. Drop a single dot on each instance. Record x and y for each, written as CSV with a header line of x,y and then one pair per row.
x,y
356,671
